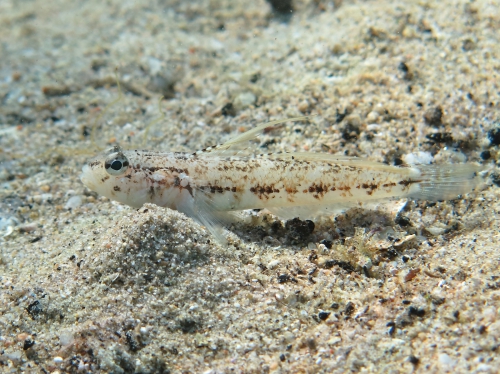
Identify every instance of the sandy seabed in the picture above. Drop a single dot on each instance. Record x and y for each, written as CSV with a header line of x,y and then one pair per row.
x,y
92,286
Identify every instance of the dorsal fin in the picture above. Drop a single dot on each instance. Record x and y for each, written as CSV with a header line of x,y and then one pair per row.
x,y
229,148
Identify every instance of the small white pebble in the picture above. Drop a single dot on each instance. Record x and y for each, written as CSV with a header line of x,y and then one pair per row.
x,y
273,264
484,368
66,337
244,100
73,202
423,158
82,366
446,361
58,360
9,231
372,117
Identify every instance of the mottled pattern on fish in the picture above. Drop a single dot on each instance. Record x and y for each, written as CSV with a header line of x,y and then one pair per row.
x,y
218,179
236,183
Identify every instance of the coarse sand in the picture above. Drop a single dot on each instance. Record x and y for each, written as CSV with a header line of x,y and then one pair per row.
x,y
92,286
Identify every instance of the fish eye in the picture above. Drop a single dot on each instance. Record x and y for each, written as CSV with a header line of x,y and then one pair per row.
x,y
116,164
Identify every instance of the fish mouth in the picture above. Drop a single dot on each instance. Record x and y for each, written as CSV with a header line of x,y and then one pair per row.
x,y
86,176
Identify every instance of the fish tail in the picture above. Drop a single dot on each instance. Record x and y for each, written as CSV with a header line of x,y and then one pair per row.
x,y
446,182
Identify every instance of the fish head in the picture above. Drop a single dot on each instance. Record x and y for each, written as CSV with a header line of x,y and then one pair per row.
x,y
111,174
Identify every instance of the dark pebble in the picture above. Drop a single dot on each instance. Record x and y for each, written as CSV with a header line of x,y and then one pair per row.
x,y
283,278
28,343
298,229
349,309
414,360
323,315
434,116
418,312
485,155
327,243
494,136
228,110
402,221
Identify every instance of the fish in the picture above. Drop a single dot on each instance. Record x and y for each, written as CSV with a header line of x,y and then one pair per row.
x,y
209,184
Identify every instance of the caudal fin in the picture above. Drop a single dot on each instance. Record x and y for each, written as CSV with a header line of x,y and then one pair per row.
x,y
446,182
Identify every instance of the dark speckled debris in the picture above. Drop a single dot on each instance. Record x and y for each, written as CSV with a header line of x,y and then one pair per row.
x,y
341,264
28,343
228,110
495,178
299,230
340,116
408,75
417,312
402,221
188,325
349,309
327,243
434,116
350,132
283,278
34,309
440,137
132,343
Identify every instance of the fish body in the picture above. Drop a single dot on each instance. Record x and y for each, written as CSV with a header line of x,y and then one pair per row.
x,y
257,182
209,182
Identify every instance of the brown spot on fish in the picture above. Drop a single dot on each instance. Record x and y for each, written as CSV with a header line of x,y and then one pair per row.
x,y
319,189
263,191
392,184
117,188
407,182
371,186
